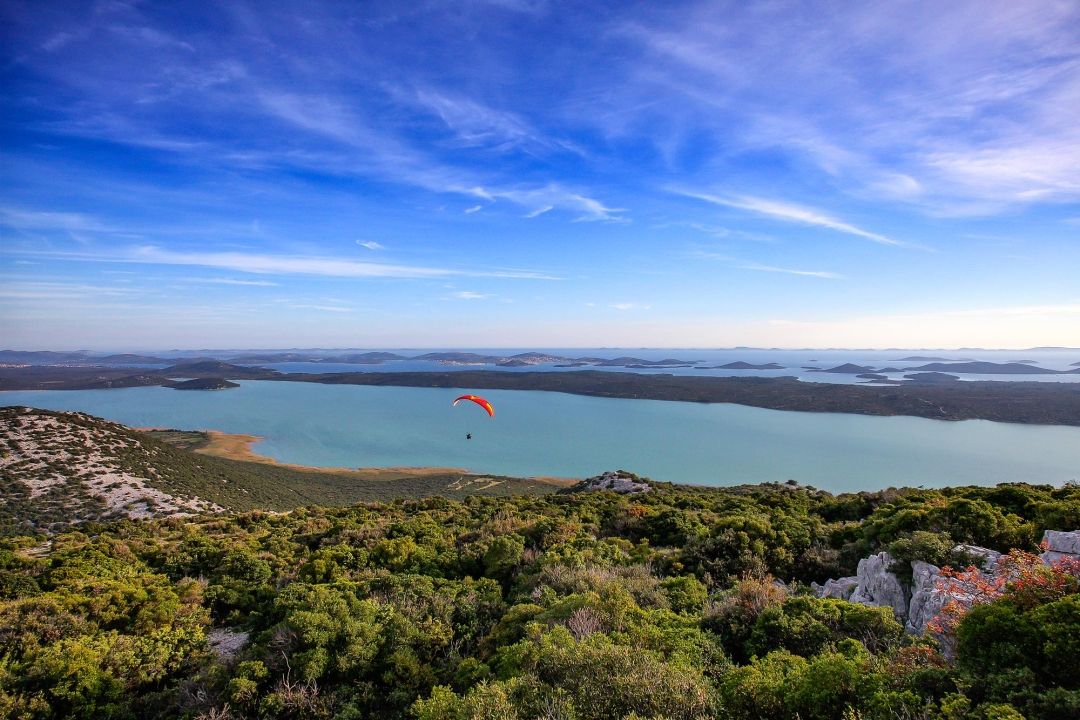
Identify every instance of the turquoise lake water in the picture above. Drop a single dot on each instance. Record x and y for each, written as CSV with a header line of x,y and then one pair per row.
x,y
540,433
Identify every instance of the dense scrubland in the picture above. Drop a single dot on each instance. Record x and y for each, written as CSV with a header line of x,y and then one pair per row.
x,y
571,606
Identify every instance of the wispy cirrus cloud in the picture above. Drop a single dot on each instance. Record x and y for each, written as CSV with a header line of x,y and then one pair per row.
x,y
51,290
36,220
235,281
978,119
394,159
477,125
791,271
544,199
270,264
761,267
626,306
321,308
789,212
370,245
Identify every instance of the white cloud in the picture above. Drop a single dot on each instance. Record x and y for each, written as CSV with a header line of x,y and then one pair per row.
x,y
385,155
262,263
322,308
469,295
790,271
150,36
235,281
553,196
1030,171
474,124
974,115
370,245
540,211
33,220
790,213
61,291
630,306
473,209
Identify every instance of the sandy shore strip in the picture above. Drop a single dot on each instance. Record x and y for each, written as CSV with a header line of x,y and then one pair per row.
x,y
235,446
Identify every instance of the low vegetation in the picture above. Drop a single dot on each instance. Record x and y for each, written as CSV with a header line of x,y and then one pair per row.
x,y
571,606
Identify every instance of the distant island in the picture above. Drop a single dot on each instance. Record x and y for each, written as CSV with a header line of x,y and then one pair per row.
x,y
987,368
849,369
971,367
86,359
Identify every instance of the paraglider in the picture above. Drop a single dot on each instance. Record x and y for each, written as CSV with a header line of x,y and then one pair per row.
x,y
479,401
488,408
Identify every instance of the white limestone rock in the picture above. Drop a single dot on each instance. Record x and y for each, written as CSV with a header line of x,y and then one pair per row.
x,y
986,559
878,586
1061,544
616,481
841,588
926,600
916,606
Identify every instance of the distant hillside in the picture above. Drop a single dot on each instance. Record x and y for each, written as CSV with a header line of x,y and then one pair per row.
x,y
216,368
57,469
62,468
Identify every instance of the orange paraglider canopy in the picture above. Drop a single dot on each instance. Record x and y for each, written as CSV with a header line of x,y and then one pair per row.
x,y
479,401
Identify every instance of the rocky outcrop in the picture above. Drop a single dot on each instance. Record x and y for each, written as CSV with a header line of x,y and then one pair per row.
x,y
926,600
984,558
226,643
1061,545
842,588
618,481
877,585
916,604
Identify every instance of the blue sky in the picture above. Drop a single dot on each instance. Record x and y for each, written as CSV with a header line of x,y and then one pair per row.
x,y
526,173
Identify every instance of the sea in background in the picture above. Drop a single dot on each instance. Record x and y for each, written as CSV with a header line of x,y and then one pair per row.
x,y
546,433
796,363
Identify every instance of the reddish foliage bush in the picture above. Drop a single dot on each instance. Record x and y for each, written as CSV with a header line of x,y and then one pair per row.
x,y
1020,575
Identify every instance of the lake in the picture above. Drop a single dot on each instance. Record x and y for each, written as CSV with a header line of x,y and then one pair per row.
x,y
539,433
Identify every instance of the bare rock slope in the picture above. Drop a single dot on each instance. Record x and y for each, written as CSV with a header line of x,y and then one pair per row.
x,y
58,469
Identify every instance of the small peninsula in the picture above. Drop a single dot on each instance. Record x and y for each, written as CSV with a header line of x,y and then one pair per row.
x,y
210,383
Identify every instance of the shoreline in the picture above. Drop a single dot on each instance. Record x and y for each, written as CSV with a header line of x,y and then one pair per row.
x,y
237,446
